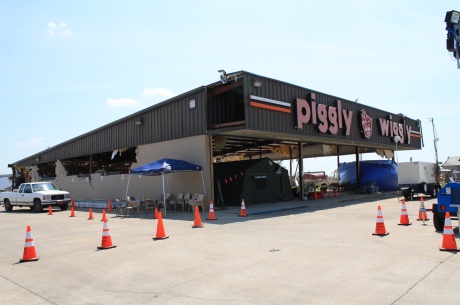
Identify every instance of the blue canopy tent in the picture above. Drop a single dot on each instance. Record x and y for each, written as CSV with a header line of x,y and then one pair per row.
x,y
165,166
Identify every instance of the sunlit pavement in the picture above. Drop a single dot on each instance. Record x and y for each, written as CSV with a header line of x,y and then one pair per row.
x,y
297,252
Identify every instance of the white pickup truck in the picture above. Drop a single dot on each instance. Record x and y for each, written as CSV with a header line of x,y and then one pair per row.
x,y
36,195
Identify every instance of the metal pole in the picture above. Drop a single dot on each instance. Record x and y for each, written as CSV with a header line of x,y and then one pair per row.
x,y
301,186
291,178
127,187
204,186
435,141
164,195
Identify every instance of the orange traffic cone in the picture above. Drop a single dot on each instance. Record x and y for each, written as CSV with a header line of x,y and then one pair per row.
x,y
404,219
448,237
106,242
29,248
211,214
243,209
104,217
155,214
422,212
197,219
109,206
50,210
72,204
380,225
161,234
72,212
90,217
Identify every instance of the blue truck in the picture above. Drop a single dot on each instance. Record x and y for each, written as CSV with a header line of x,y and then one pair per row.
x,y
448,201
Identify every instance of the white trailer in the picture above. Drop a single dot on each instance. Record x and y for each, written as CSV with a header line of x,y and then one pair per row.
x,y
418,178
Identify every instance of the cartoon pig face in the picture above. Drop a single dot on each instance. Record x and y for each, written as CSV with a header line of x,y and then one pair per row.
x,y
366,122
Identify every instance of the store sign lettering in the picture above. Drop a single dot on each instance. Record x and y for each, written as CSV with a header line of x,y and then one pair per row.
x,y
325,118
389,128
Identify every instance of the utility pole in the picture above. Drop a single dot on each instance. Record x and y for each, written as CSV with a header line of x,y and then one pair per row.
x,y
435,141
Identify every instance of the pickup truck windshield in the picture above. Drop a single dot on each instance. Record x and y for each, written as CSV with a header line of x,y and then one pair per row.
x,y
44,187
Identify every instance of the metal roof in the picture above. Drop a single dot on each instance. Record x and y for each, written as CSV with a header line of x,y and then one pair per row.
x,y
245,119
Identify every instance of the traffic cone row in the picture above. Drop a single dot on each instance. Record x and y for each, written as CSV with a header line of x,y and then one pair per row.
x,y
448,242
448,236
106,242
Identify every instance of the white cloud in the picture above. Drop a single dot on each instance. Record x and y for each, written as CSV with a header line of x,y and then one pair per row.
x,y
122,102
31,142
51,27
58,29
159,91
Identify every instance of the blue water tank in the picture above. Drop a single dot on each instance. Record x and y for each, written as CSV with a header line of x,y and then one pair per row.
x,y
381,173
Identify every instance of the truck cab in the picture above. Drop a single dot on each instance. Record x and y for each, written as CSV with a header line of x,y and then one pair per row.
x,y
448,201
36,195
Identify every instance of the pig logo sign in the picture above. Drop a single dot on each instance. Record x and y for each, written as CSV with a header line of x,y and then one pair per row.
x,y
365,124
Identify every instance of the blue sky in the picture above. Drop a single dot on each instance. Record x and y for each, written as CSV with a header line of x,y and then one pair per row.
x,y
70,67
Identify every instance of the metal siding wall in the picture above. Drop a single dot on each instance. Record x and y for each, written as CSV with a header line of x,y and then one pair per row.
x,y
278,122
169,121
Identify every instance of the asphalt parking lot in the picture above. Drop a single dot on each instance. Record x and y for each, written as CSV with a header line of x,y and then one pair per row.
x,y
313,252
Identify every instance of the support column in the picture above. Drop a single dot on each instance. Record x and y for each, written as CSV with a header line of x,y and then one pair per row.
x,y
338,161
358,170
301,186
290,166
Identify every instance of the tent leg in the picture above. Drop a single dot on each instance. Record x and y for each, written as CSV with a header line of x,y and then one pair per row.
x,y
204,186
164,194
127,187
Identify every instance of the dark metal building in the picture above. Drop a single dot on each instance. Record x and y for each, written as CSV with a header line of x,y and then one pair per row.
x,y
242,116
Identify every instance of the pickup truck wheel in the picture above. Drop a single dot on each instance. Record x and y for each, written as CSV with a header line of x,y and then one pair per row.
x,y
438,221
64,206
8,206
38,205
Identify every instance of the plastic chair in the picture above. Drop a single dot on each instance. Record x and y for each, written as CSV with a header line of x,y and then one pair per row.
x,y
121,209
186,200
175,201
147,205
132,206
197,202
